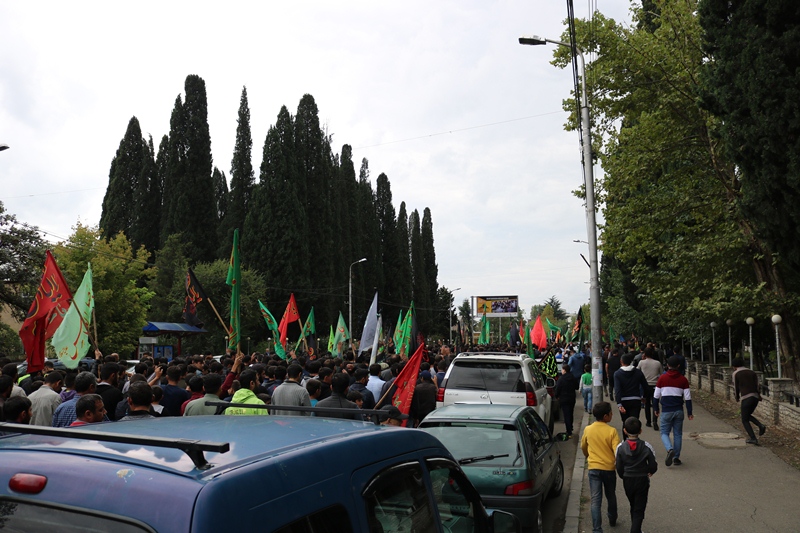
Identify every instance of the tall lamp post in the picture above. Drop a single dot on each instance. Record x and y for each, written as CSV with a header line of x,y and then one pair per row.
x,y
450,312
750,321
591,224
776,319
729,322
713,342
350,299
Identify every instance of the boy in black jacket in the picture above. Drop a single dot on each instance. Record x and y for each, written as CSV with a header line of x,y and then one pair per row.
x,y
636,463
564,392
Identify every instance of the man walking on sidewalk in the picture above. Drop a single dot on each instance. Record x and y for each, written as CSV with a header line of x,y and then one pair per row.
x,y
629,386
745,386
599,444
672,390
652,370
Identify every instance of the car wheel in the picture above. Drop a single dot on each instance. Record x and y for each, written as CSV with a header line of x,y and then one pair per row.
x,y
558,481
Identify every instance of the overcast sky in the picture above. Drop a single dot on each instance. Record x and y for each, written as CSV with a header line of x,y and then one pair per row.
x,y
438,95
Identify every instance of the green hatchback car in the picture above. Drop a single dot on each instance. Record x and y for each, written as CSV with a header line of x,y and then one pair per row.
x,y
507,452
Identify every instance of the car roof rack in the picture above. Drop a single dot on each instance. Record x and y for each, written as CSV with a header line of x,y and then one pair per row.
x,y
306,409
193,448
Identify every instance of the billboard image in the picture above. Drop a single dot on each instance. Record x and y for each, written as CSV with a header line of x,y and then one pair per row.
x,y
502,306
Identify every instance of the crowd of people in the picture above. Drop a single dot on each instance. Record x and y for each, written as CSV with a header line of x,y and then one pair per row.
x,y
186,386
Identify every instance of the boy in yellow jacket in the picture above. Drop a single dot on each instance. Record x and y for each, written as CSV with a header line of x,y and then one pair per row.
x,y
599,444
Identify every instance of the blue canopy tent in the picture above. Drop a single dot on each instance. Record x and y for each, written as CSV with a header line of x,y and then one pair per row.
x,y
176,329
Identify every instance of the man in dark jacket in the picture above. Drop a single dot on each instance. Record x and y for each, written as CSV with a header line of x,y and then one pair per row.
x,y
564,392
424,400
629,387
636,463
612,365
746,388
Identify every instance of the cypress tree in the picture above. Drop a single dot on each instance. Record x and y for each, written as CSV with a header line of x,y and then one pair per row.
x,y
147,203
429,256
387,223
370,239
221,204
173,172
420,281
405,277
126,169
242,177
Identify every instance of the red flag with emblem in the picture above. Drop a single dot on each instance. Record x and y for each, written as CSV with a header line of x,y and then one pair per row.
x,y
290,315
46,313
406,382
538,336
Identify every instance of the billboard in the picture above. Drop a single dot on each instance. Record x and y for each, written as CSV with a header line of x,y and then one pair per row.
x,y
503,306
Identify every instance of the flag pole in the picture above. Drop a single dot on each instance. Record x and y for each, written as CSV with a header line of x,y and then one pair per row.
x,y
224,327
94,323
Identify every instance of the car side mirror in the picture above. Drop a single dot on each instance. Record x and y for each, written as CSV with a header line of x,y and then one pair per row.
x,y
550,382
503,522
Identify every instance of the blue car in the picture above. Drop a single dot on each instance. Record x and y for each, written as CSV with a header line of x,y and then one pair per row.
x,y
285,474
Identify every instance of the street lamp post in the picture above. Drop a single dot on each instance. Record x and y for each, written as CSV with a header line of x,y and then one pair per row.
x,y
450,312
729,322
713,343
350,299
591,224
776,319
750,321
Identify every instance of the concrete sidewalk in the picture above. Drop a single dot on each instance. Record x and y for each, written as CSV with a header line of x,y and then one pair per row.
x,y
723,485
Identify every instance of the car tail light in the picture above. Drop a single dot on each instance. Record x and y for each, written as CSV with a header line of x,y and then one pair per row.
x,y
530,396
27,483
440,395
523,488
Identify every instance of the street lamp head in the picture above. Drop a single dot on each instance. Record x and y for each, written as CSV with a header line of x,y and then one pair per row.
x,y
713,325
729,322
361,260
533,40
3,147
750,321
776,319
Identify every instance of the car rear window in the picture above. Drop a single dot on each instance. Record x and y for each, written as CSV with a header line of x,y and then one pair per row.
x,y
486,375
34,517
476,439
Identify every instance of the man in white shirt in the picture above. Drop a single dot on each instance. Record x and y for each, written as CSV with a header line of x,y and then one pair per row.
x,y
45,400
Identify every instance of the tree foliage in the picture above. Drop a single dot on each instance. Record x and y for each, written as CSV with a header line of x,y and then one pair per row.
x,y
21,258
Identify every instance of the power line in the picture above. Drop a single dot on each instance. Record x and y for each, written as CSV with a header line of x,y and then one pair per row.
x,y
50,193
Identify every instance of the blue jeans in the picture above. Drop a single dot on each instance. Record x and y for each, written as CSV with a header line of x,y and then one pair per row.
x,y
672,421
599,480
587,399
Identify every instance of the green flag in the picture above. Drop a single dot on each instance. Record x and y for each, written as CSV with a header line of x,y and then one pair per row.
x,y
273,327
71,339
408,325
528,343
331,337
309,328
552,326
341,333
483,338
398,333
234,280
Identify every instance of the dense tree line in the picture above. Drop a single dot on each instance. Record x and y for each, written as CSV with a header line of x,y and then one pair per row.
x,y
695,124
303,222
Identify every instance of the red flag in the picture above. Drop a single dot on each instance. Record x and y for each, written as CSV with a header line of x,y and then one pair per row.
x,y
538,336
46,313
290,315
406,382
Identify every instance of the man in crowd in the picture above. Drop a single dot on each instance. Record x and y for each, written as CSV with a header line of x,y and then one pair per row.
x,y
17,410
338,398
174,395
375,383
424,399
629,385
45,400
245,395
139,399
89,409
652,370
211,386
291,393
361,376
65,414
672,391
108,389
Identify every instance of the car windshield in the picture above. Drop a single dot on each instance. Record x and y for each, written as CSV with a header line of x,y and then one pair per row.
x,y
476,439
485,375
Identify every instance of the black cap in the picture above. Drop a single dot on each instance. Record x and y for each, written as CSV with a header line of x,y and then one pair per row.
x,y
393,412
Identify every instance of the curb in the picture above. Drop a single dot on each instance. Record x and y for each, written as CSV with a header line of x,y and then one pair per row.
x,y
573,515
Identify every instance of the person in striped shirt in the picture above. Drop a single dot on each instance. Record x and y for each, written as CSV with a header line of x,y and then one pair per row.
x,y
672,391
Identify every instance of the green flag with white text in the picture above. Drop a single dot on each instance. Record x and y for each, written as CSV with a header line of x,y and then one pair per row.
x,y
71,339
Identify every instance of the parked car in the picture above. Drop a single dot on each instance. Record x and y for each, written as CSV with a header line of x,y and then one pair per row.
x,y
496,377
284,474
507,452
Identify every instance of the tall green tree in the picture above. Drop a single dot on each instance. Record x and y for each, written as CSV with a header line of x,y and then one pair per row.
x,y
189,187
119,208
168,282
390,248
147,203
221,204
242,176
404,273
21,258
751,84
421,294
429,256
670,193
120,276
558,311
